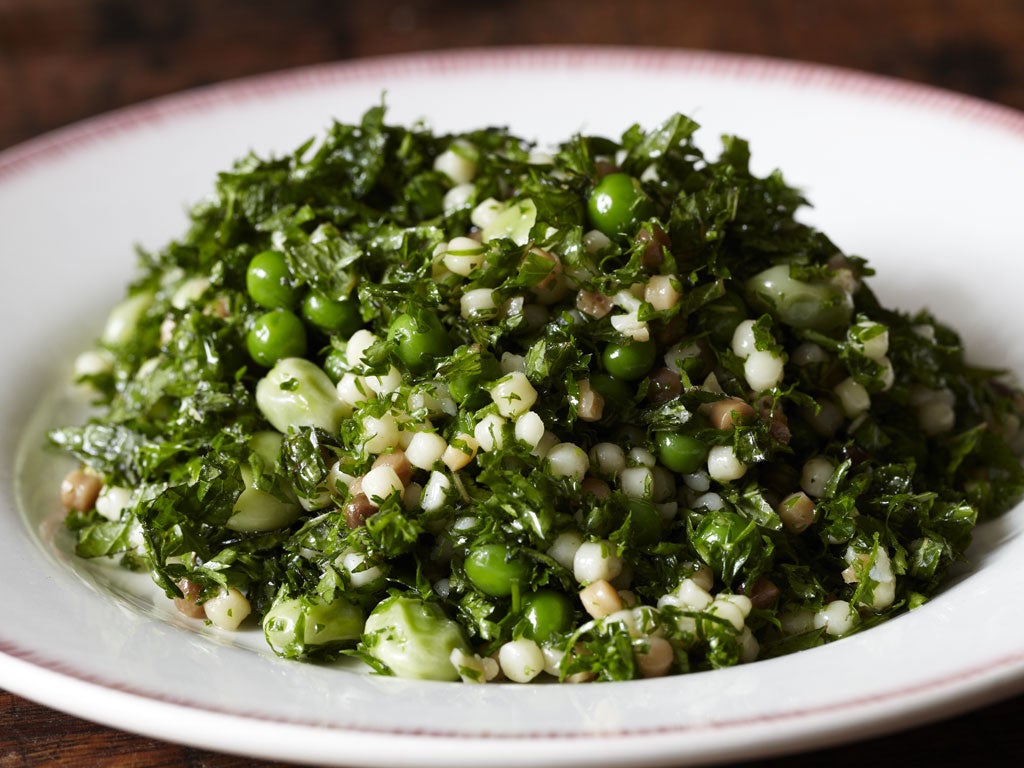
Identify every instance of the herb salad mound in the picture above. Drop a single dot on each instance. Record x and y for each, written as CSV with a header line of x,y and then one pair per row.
x,y
465,409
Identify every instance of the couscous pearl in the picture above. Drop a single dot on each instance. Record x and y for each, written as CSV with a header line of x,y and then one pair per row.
x,y
796,511
703,577
514,395
935,417
486,212
460,452
710,501
607,459
657,659
478,304
358,343
637,482
661,293
521,660
382,432
563,549
689,595
458,197
877,346
93,362
457,164
853,397
815,476
227,609
740,601
568,460
552,659
809,353
359,575
595,241
112,500
425,449
463,255
663,487
352,390
548,441
797,621
763,370
826,419
728,611
189,291
697,481
596,560
380,482
888,375
723,465
469,666
600,599
488,432
642,457
624,617
750,649
385,384
837,618
743,339
529,428
512,362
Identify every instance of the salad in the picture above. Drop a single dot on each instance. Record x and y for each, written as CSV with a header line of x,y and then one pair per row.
x,y
464,408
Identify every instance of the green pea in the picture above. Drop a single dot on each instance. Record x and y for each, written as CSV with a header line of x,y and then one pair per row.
x,y
630,361
644,522
276,335
617,204
268,281
342,316
492,572
335,364
421,339
547,613
681,453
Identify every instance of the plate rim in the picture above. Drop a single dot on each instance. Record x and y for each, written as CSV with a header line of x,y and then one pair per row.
x,y
68,138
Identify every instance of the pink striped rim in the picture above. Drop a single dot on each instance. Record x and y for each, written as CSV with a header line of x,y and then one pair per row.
x,y
57,144
964,677
60,142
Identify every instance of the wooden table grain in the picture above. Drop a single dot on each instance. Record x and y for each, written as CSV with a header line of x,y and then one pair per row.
x,y
64,60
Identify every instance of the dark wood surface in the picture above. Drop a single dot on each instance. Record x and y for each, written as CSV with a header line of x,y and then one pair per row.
x,y
64,60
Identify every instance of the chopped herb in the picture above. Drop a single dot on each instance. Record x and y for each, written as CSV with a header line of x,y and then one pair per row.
x,y
600,412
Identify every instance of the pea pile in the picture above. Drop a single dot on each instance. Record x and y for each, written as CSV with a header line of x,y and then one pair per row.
x,y
466,409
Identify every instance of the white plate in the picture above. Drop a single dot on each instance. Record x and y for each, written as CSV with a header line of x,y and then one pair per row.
x,y
923,183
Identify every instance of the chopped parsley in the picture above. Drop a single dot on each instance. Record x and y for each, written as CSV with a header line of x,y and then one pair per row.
x,y
464,408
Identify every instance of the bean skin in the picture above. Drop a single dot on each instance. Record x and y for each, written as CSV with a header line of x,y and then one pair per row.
x,y
664,385
79,490
357,510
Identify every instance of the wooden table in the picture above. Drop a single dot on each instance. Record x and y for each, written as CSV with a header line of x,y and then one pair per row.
x,y
63,60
